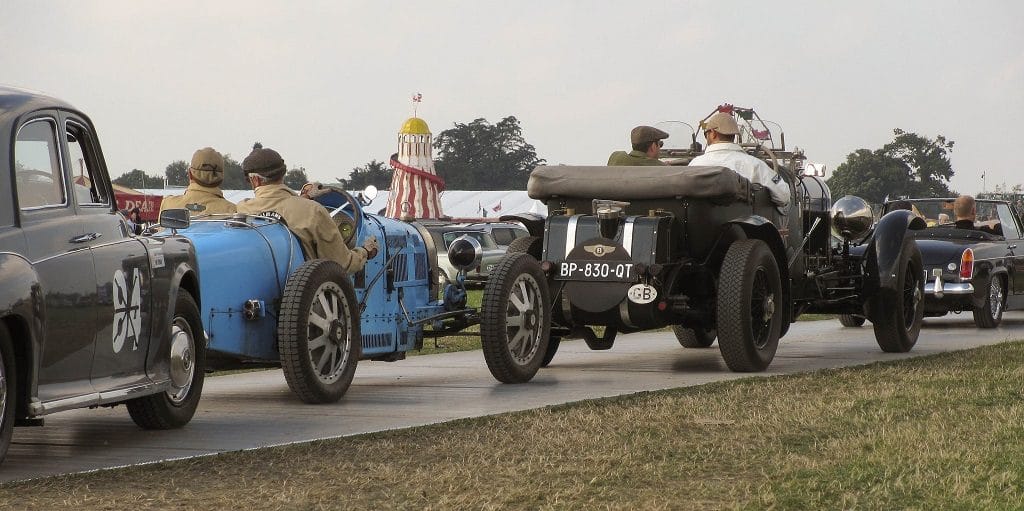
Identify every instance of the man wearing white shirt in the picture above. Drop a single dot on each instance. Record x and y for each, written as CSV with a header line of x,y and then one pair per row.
x,y
720,130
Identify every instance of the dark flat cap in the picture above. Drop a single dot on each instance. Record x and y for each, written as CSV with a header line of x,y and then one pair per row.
x,y
643,134
265,162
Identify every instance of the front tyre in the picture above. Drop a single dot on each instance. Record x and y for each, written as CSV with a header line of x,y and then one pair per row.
x,y
694,337
852,320
318,332
175,407
515,321
8,390
899,311
990,314
749,322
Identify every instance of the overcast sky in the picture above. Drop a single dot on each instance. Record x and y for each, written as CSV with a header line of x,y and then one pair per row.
x,y
328,84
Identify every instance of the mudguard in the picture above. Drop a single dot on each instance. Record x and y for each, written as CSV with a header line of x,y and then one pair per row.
x,y
181,275
23,310
759,227
533,222
887,244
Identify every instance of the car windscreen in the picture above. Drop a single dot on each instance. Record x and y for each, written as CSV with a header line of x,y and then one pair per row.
x,y
939,212
486,242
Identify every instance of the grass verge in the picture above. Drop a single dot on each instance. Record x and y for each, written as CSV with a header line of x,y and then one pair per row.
x,y
939,432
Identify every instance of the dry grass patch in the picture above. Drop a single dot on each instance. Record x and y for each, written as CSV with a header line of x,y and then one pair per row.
x,y
931,433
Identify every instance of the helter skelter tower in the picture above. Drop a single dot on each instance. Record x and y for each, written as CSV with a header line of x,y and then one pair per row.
x,y
415,185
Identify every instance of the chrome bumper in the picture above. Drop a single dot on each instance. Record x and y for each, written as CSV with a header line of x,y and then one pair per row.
x,y
939,288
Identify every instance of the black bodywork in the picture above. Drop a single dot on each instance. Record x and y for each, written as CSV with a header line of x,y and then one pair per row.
x,y
684,246
986,284
86,303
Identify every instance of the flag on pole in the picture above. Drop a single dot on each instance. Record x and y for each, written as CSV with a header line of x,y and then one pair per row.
x,y
416,98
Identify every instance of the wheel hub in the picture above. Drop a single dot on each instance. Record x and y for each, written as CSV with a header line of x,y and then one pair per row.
x,y
769,308
336,331
182,359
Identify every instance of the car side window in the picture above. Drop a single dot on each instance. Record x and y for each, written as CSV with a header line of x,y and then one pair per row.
x,y
37,165
1008,222
89,187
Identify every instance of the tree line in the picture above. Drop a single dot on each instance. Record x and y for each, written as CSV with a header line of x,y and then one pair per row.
x,y
480,155
472,156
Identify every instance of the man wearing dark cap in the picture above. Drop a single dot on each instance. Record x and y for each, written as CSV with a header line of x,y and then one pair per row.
x,y
720,130
308,220
203,195
646,142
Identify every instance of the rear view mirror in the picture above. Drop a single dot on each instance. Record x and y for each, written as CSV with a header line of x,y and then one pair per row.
x,y
174,219
369,193
814,169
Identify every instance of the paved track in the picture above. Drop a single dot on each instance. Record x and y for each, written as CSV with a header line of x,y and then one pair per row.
x,y
253,410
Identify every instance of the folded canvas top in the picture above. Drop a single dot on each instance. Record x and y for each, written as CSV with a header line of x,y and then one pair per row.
x,y
640,182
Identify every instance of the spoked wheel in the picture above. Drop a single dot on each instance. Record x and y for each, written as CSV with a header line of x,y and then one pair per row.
x,y
8,390
991,312
899,311
749,291
851,320
318,332
175,407
515,322
694,337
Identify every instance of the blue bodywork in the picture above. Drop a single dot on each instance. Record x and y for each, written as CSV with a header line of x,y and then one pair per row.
x,y
245,261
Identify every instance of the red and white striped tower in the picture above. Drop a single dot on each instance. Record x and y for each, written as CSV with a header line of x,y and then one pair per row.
x,y
415,186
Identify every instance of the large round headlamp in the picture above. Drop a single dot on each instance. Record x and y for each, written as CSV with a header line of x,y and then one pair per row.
x,y
465,252
851,217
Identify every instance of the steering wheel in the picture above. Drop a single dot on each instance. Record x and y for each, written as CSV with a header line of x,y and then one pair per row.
x,y
344,210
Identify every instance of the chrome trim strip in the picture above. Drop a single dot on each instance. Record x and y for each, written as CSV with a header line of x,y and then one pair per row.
x,y
950,288
39,408
113,396
98,398
627,235
570,234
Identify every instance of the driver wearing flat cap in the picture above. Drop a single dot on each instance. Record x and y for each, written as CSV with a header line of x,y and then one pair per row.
x,y
720,130
646,141
308,220
203,195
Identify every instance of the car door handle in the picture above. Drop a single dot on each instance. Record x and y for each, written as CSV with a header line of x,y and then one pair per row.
x,y
85,237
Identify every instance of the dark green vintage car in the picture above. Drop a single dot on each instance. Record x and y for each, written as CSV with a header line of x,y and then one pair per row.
x,y
700,249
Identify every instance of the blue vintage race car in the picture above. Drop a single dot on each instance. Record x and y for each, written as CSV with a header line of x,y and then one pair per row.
x,y
265,304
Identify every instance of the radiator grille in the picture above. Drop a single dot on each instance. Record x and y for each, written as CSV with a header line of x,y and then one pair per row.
x,y
376,340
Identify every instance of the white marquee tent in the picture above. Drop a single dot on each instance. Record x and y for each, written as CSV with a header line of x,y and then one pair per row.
x,y
456,203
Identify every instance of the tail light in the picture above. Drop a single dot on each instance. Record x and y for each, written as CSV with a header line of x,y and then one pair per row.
x,y
967,264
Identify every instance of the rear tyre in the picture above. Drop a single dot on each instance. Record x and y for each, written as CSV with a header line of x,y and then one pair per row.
x,y
175,407
990,314
515,323
318,332
694,337
852,320
749,290
549,354
899,311
532,245
8,390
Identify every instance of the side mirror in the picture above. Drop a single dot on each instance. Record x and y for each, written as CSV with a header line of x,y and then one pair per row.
x,y
174,219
